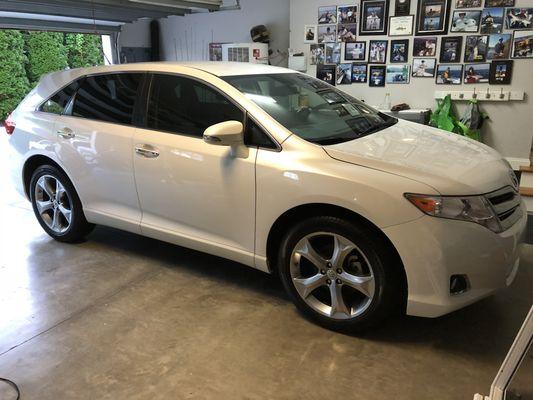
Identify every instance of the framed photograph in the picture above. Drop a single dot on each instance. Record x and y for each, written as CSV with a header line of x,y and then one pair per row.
x,y
518,18
374,16
398,74
399,51
466,21
501,72
449,74
377,51
344,74
424,67
491,20
327,33
377,76
401,26
310,34
215,51
355,51
347,32
499,46
522,44
467,3
359,73
402,8
476,48
432,17
451,49
347,14
499,3
333,53
477,73
327,15
327,73
425,47
318,54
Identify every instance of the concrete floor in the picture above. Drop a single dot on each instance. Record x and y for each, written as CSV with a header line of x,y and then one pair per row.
x,y
124,317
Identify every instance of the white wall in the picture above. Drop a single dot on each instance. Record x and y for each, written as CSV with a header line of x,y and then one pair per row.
x,y
510,130
187,38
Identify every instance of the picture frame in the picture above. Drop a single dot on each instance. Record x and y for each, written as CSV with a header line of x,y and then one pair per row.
x,y
518,18
423,67
401,25
355,51
402,8
347,32
432,17
398,74
521,47
347,14
374,17
333,53
499,3
476,47
327,15
449,74
310,34
327,33
499,46
425,46
476,73
377,75
317,54
466,21
327,73
377,51
344,74
451,49
467,4
501,72
492,20
399,51
359,73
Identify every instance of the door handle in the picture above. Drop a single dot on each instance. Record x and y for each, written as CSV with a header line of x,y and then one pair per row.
x,y
66,133
147,151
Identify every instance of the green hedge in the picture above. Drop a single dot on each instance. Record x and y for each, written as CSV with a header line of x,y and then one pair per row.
x,y
84,50
46,53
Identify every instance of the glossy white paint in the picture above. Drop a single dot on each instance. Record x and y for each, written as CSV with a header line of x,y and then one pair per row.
x,y
225,200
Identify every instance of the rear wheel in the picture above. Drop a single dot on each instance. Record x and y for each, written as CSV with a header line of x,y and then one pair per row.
x,y
57,205
338,274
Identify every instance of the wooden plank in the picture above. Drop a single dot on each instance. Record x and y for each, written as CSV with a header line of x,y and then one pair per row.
x,y
526,169
526,191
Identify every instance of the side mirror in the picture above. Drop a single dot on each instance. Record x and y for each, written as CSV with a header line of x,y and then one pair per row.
x,y
229,133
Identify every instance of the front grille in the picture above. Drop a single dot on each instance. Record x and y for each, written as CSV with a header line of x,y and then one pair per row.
x,y
506,204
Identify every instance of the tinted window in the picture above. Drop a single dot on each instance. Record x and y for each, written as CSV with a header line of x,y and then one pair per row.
x,y
255,136
188,107
59,101
109,98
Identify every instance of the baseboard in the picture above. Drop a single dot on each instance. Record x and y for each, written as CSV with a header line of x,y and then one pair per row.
x,y
516,163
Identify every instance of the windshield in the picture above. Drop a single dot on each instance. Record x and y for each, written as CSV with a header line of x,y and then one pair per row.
x,y
310,108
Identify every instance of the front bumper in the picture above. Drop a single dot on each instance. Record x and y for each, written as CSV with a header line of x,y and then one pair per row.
x,y
434,249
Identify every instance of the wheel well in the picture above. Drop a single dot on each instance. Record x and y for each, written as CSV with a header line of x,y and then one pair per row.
x,y
300,213
31,165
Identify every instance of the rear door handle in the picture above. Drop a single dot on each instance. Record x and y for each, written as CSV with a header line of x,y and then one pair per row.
x,y
147,151
66,133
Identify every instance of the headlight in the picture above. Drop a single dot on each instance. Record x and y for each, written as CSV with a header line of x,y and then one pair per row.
x,y
475,209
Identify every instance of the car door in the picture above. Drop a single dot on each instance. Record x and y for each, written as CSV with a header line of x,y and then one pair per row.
x,y
193,193
95,137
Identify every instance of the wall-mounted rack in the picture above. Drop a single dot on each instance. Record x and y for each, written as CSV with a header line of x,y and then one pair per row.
x,y
483,95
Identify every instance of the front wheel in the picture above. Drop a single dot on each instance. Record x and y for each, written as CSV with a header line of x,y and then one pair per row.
x,y
338,274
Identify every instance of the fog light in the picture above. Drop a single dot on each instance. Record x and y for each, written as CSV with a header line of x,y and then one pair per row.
x,y
459,284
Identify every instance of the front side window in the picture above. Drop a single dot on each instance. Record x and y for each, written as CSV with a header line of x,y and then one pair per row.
x,y
108,98
185,106
59,101
310,108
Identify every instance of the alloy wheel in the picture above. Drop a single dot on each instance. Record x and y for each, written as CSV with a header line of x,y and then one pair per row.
x,y
53,203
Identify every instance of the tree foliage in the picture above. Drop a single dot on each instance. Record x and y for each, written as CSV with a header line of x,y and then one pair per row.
x,y
46,53
84,50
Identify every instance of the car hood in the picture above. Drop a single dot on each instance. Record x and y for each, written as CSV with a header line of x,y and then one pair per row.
x,y
449,163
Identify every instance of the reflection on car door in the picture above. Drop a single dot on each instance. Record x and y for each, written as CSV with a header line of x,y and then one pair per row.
x,y
192,193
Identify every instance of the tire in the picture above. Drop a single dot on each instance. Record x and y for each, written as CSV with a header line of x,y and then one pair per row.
x,y
58,208
365,275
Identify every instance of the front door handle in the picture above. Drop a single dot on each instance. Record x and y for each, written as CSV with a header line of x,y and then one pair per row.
x,y
66,133
147,151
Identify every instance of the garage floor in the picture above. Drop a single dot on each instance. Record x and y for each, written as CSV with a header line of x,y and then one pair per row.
x,y
124,317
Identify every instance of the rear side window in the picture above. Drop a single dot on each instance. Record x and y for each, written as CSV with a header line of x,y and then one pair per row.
x,y
185,106
59,101
108,98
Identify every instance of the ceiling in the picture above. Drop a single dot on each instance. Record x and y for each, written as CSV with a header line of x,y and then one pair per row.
x,y
91,16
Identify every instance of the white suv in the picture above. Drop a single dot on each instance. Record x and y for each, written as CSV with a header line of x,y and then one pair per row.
x,y
361,215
